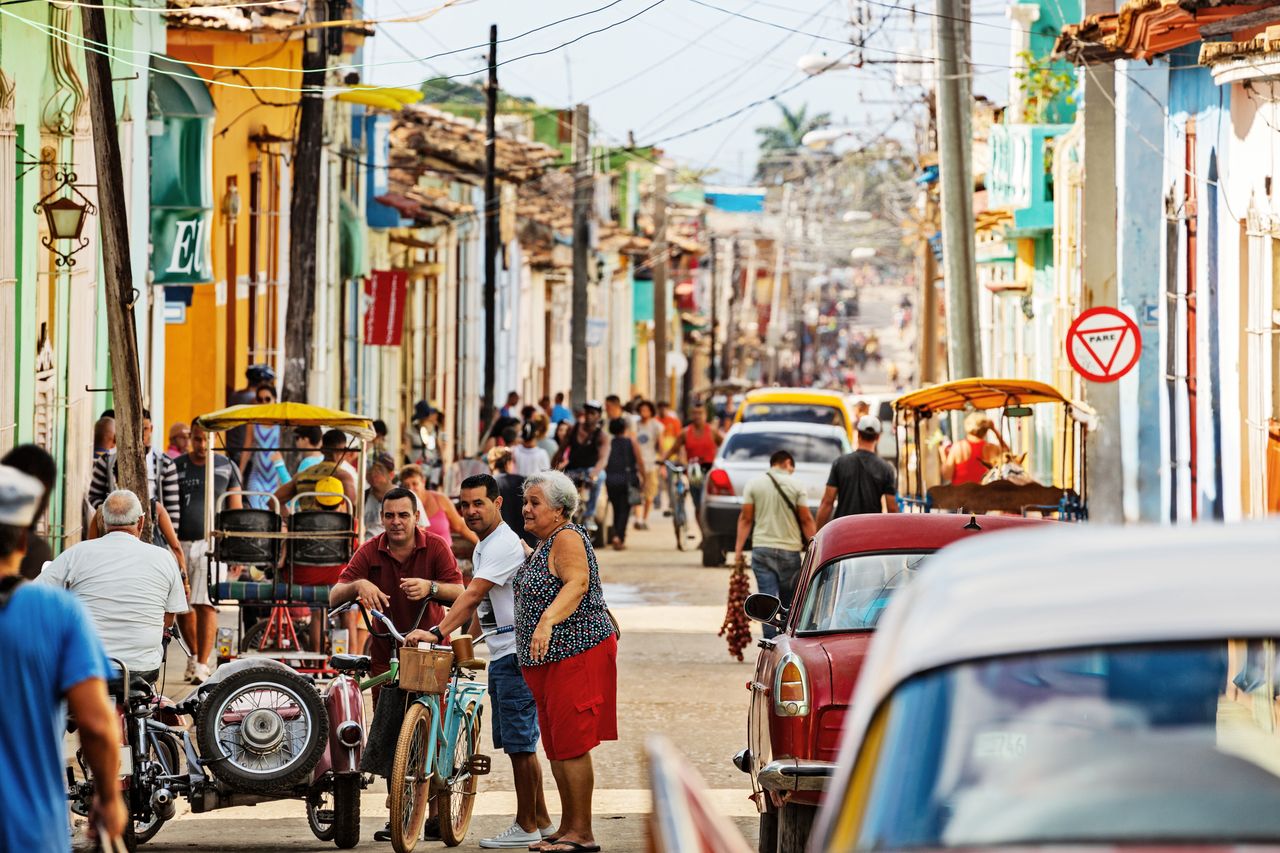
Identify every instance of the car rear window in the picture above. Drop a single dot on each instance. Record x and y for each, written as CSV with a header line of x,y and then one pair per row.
x,y
756,446
808,413
850,594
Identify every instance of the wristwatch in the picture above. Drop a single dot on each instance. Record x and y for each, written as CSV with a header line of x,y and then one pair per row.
x,y
435,587
435,629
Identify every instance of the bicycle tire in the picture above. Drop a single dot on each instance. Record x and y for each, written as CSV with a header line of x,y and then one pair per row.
x,y
678,517
457,802
410,783
144,831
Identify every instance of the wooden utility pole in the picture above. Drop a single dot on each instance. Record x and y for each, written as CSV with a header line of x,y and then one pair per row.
x,y
658,259
582,192
304,213
955,173
113,224
492,237
712,377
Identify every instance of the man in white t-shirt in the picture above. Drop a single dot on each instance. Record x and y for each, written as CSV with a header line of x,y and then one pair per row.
x,y
496,560
127,585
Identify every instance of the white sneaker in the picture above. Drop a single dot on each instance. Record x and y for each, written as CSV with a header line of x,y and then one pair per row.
x,y
191,670
201,674
513,838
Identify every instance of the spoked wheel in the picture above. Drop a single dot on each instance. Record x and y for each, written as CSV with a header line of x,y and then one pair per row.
x,y
320,815
253,637
459,799
678,519
410,779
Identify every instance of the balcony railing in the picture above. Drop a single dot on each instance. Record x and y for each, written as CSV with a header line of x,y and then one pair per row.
x,y
1020,174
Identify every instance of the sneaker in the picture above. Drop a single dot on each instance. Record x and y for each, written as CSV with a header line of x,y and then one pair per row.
x,y
383,834
431,829
200,674
514,837
547,831
191,670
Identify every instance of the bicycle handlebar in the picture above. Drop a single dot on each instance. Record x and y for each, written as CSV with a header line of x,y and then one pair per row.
x,y
343,608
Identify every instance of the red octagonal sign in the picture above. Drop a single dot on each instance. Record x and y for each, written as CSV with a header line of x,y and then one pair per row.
x,y
1103,344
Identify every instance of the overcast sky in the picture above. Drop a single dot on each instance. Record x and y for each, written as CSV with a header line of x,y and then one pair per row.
x,y
683,63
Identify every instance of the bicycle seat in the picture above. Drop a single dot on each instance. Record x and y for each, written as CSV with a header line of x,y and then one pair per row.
x,y
349,663
140,689
473,663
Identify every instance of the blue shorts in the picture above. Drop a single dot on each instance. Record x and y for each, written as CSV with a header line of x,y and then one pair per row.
x,y
515,715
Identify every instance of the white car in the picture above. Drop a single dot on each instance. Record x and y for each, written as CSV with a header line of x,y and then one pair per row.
x,y
1068,686
744,455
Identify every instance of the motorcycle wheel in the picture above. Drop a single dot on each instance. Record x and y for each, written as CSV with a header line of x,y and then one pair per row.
x,y
320,816
145,830
458,800
262,729
410,782
346,811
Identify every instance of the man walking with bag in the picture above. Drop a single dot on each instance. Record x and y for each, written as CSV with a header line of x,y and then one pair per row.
x,y
777,519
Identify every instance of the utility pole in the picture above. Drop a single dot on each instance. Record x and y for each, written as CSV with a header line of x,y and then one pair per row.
x,y
658,258
927,322
1098,268
955,134
304,213
113,223
491,235
715,315
731,331
582,192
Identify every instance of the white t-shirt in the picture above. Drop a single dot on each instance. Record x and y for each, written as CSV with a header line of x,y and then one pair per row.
x,y
649,436
530,460
127,586
496,559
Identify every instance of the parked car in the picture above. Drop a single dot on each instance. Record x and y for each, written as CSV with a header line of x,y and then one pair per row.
x,y
797,405
1116,689
806,674
743,455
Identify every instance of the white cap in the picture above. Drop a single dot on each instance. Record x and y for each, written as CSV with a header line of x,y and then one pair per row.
x,y
20,494
869,424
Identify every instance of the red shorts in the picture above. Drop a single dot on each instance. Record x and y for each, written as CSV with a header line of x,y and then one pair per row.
x,y
577,700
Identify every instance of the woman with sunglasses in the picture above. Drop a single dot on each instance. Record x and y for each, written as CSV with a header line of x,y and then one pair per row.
x,y
263,470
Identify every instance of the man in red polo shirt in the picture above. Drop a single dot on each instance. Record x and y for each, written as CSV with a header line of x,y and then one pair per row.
x,y
392,573
395,570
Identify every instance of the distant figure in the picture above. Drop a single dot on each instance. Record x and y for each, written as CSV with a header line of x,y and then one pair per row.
x,y
34,461
511,409
104,436
560,412
179,440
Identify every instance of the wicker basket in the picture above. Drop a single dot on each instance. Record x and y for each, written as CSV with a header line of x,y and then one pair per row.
x,y
425,670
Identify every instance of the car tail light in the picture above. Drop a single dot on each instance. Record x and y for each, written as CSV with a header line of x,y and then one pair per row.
x,y
791,688
718,482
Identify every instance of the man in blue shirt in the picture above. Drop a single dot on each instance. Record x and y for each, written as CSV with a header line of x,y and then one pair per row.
x,y
51,656
561,412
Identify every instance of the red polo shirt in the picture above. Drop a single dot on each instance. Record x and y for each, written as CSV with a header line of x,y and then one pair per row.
x,y
431,559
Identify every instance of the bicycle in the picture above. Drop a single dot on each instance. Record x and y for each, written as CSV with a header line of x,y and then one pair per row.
x,y
437,750
677,489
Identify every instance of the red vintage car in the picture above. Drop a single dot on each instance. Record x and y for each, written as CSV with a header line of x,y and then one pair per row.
x,y
805,675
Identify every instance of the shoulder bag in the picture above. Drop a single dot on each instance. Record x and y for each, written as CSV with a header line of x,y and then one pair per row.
x,y
804,540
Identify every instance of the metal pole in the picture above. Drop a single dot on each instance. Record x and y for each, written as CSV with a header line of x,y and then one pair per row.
x,y
491,235
113,225
658,256
955,133
581,238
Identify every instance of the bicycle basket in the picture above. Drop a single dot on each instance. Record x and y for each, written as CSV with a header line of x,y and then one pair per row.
x,y
425,670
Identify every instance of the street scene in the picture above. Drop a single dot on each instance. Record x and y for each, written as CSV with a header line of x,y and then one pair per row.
x,y
655,426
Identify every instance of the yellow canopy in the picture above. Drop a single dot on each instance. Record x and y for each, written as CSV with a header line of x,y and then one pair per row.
x,y
982,394
287,414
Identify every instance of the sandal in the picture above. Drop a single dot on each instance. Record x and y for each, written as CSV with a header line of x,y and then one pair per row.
x,y
562,846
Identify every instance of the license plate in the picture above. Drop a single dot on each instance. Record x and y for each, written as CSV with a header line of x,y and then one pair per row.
x,y
126,762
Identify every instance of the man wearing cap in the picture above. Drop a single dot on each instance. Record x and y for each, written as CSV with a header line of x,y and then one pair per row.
x,y
51,657
127,585
588,451
328,498
195,547
860,482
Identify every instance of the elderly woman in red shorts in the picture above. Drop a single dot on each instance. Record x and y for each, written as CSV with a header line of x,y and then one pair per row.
x,y
567,649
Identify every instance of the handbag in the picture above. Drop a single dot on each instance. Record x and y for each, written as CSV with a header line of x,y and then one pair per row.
x,y
804,540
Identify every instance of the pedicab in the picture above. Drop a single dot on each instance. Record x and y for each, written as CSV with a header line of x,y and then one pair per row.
x,y
270,554
1054,484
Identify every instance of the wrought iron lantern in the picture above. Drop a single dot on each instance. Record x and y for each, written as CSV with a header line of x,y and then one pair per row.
x,y
65,215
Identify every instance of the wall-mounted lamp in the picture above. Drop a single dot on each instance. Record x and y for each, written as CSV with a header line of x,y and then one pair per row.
x,y
65,216
231,204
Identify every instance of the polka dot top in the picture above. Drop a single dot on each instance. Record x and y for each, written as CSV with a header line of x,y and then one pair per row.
x,y
536,587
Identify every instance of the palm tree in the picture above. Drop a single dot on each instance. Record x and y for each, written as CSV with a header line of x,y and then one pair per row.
x,y
784,138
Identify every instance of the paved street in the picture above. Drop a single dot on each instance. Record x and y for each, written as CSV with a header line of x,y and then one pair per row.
x,y
675,678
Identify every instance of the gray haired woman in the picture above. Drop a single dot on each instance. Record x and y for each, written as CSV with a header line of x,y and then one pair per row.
x,y
567,650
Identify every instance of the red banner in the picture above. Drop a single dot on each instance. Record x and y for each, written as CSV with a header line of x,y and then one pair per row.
x,y
384,317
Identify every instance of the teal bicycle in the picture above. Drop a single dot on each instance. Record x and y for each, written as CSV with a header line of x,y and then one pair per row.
x,y
438,751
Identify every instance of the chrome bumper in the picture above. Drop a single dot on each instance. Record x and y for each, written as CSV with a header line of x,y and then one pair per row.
x,y
794,774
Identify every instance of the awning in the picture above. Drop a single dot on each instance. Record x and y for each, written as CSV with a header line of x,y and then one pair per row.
x,y
351,253
177,91
982,394
288,414
180,128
